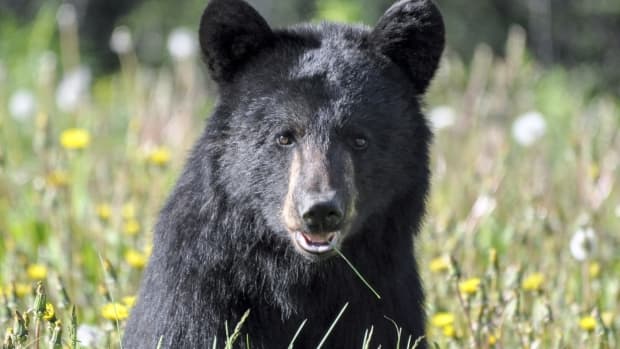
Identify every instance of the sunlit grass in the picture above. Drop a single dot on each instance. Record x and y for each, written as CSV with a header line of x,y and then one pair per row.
x,y
520,246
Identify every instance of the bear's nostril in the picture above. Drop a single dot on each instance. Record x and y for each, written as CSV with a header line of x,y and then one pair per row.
x,y
333,217
309,218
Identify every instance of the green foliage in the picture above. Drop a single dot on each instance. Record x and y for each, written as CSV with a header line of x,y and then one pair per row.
x,y
347,11
21,44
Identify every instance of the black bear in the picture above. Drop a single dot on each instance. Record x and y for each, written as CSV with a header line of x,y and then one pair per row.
x,y
317,148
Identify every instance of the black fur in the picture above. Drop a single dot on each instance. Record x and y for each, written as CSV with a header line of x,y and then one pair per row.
x,y
230,32
220,245
411,33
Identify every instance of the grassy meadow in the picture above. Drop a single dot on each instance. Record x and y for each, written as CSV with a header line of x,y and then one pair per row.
x,y
520,246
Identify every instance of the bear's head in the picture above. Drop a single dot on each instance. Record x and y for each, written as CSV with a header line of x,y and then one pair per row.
x,y
321,125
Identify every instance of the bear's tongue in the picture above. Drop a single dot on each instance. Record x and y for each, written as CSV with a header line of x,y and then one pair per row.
x,y
318,239
315,243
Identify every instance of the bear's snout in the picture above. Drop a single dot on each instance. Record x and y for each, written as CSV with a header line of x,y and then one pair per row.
x,y
321,213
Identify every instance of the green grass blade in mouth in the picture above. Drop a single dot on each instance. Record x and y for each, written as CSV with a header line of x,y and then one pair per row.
x,y
357,273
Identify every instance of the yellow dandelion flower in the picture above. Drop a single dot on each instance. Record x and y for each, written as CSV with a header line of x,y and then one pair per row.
x,y
21,289
49,313
131,227
128,210
104,212
469,286
439,264
608,318
587,323
533,282
129,301
135,258
75,138
442,319
492,339
57,179
114,311
449,331
36,271
159,156
594,269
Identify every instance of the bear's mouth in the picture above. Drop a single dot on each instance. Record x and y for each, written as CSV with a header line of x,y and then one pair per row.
x,y
316,243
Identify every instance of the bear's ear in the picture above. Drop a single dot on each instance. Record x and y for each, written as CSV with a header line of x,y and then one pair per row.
x,y
411,34
230,32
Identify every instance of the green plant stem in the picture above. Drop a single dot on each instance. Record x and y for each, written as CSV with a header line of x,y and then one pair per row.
x,y
37,332
358,273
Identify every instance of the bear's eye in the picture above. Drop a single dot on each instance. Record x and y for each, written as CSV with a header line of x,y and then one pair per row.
x,y
360,143
285,139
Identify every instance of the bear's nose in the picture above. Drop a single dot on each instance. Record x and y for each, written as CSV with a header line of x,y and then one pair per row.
x,y
322,213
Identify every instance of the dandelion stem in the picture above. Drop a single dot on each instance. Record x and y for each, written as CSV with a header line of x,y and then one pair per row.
x,y
37,332
73,328
464,304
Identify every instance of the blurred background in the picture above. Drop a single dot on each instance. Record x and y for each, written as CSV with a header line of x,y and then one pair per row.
x,y
574,33
100,101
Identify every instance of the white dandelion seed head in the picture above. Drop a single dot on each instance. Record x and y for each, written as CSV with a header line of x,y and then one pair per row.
x,y
72,89
89,336
442,117
66,16
182,44
120,41
22,105
583,243
529,128
483,206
